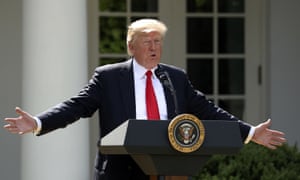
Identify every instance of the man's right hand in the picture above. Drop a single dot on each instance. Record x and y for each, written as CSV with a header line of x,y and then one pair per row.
x,y
20,125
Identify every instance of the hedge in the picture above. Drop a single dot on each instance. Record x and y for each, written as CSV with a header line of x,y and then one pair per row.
x,y
254,162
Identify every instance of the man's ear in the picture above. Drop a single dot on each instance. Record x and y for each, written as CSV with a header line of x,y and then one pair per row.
x,y
131,47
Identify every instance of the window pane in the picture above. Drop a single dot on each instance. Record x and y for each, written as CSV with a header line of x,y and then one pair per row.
x,y
103,61
112,35
231,35
201,74
199,5
231,6
144,6
134,18
112,5
199,35
235,107
231,76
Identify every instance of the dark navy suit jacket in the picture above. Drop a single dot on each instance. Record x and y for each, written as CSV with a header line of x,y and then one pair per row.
x,y
111,91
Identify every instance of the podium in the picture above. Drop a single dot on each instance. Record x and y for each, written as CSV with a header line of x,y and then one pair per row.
x,y
148,144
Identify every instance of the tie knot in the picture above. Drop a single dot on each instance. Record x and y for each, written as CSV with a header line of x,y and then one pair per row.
x,y
149,74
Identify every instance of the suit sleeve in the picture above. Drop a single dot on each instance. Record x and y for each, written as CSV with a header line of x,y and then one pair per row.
x,y
80,106
196,103
205,109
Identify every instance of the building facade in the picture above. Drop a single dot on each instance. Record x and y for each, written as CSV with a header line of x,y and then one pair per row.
x,y
244,52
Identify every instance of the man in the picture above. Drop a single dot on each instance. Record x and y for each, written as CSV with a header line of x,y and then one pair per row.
x,y
118,92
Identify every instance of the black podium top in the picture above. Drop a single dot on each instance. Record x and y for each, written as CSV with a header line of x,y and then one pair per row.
x,y
148,144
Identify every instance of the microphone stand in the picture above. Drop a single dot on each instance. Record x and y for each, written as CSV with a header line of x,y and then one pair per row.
x,y
164,78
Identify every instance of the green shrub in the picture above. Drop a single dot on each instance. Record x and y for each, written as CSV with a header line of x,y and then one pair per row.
x,y
254,162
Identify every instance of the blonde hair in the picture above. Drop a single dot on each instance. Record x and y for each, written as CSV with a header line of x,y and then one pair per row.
x,y
144,26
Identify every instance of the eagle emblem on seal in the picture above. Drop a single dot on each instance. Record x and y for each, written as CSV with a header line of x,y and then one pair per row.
x,y
186,133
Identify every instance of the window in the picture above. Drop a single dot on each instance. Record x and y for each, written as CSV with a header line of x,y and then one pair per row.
x,y
216,51
114,17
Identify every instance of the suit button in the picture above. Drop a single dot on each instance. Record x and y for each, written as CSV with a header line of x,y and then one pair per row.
x,y
129,168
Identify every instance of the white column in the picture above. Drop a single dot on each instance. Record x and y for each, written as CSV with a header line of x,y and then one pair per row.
x,y
54,69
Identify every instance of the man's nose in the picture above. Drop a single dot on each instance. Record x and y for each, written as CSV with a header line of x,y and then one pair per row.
x,y
152,45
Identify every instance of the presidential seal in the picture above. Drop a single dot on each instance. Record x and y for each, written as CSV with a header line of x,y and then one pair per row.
x,y
186,133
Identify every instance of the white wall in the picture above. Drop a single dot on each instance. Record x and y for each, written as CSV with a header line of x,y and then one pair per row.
x,y
10,83
284,41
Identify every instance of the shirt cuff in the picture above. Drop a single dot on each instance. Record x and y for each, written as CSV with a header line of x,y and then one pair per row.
x,y
250,135
39,126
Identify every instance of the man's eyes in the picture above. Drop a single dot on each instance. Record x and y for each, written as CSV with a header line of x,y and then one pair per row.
x,y
150,42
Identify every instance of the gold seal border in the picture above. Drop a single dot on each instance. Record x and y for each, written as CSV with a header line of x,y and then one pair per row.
x,y
173,140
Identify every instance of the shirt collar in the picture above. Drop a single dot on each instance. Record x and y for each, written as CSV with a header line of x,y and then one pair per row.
x,y
139,71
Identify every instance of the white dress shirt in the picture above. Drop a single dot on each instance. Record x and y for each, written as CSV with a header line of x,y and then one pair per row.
x,y
139,74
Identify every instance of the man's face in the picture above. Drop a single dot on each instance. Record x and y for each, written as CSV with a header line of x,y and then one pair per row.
x,y
147,48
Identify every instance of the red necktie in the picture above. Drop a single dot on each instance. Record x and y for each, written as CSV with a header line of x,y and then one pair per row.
x,y
151,103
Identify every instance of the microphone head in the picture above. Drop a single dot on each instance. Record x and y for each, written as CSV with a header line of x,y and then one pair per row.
x,y
165,80
161,74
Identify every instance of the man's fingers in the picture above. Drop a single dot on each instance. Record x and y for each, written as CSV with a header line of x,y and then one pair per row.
x,y
278,139
276,143
277,133
278,136
271,146
20,112
275,140
20,125
6,126
11,128
10,120
23,113
267,123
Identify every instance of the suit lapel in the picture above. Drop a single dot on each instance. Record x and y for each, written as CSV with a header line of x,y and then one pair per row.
x,y
170,103
169,99
127,89
126,81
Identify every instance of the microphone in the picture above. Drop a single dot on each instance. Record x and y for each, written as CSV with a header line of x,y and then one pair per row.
x,y
164,78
